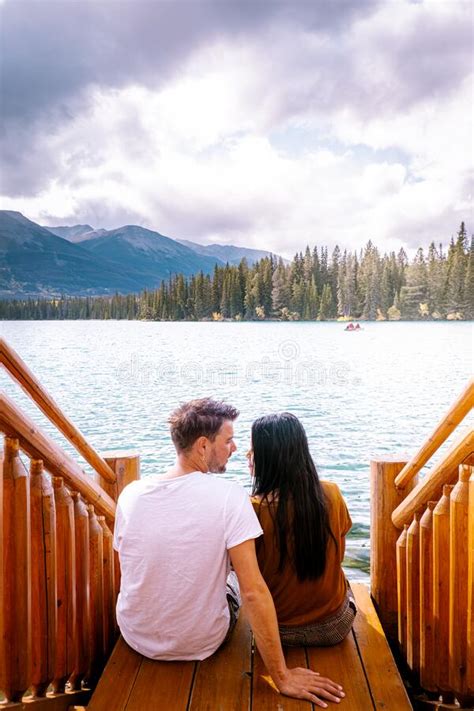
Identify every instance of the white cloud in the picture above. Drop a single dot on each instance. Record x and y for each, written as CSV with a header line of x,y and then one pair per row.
x,y
195,158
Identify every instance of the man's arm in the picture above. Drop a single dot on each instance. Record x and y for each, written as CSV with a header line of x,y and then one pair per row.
x,y
260,610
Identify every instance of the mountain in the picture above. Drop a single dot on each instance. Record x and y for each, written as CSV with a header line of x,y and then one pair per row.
x,y
79,260
76,233
34,262
153,255
227,252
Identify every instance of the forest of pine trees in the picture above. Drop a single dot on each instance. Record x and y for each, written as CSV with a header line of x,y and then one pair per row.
x,y
314,286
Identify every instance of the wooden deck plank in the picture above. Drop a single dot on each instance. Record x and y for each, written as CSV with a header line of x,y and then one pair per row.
x,y
387,689
265,697
117,680
222,682
343,665
363,664
161,685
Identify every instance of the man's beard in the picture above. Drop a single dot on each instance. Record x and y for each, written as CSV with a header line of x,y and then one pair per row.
x,y
214,467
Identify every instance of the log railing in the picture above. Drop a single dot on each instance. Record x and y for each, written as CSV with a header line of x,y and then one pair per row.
x,y
38,445
425,580
448,423
431,486
19,371
59,575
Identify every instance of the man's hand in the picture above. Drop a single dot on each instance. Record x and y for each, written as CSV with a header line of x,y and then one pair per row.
x,y
311,686
260,611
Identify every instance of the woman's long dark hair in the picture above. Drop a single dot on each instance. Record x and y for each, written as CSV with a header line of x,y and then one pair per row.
x,y
286,477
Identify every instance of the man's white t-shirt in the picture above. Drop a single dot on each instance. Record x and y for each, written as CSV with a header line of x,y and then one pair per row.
x,y
172,536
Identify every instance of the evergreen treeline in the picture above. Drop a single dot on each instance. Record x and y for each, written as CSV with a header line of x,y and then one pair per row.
x,y
316,285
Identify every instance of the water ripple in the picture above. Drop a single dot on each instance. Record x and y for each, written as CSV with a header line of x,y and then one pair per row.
x,y
379,393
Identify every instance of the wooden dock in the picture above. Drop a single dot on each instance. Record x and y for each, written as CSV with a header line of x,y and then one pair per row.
x,y
59,581
235,679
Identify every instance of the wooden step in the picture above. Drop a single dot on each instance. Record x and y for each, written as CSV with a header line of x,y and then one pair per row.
x,y
235,678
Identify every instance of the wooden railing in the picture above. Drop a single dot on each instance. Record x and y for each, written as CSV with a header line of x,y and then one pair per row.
x,y
59,576
20,372
423,560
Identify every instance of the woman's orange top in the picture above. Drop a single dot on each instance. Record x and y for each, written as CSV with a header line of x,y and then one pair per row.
x,y
302,603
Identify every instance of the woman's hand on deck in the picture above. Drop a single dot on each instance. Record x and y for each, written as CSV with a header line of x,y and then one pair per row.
x,y
306,684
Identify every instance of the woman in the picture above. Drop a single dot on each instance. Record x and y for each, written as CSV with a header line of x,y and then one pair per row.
x,y
305,522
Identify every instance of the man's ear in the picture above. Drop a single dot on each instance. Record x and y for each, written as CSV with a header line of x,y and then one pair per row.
x,y
200,445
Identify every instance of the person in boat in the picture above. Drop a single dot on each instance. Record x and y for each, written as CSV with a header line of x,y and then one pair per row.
x,y
305,522
357,327
177,535
349,327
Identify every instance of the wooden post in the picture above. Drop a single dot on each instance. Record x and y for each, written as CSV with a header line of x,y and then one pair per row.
x,y
66,586
427,648
458,591
413,594
3,599
383,535
96,555
470,588
109,600
43,578
441,589
402,589
83,631
126,467
15,604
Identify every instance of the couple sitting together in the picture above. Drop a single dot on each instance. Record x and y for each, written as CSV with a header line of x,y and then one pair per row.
x,y
194,547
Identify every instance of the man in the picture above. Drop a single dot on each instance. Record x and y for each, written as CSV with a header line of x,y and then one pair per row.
x,y
176,536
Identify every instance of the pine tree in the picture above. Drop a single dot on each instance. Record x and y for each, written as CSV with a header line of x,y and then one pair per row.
x,y
250,301
436,277
317,270
369,282
307,265
469,284
323,266
341,286
243,271
297,298
414,295
456,273
332,276
311,301
325,304
236,303
216,289
386,288
280,289
266,280
225,295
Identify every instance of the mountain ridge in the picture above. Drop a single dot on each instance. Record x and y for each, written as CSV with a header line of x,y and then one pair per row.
x,y
80,260
74,233
34,262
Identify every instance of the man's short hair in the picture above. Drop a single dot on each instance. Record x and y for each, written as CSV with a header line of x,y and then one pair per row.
x,y
199,418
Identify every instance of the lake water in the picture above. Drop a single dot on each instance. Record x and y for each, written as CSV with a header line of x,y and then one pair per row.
x,y
359,395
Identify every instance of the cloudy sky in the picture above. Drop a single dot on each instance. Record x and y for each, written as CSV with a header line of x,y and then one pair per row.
x,y
263,123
